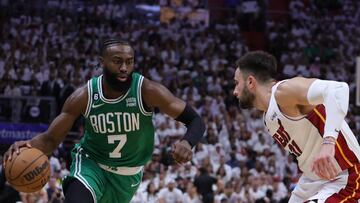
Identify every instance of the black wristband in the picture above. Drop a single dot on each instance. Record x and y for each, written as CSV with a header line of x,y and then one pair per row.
x,y
194,124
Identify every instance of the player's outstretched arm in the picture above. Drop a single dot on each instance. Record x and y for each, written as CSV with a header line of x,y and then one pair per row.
x,y
49,140
335,97
156,95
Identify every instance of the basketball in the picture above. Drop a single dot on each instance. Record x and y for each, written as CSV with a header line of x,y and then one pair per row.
x,y
28,171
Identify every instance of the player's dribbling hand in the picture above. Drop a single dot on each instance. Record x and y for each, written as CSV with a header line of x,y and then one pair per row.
x,y
15,148
181,151
324,164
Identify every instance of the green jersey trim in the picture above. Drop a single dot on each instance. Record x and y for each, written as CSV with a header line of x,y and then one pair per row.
x,y
110,101
78,175
88,106
140,100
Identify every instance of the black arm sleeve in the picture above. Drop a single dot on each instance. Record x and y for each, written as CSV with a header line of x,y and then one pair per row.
x,y
194,124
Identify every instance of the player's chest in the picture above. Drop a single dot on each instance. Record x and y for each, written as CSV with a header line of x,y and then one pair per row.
x,y
292,135
111,122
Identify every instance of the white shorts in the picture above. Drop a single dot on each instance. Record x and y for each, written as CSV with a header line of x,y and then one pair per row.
x,y
344,188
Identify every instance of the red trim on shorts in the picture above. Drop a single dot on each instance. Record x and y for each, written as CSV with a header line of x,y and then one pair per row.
x,y
351,193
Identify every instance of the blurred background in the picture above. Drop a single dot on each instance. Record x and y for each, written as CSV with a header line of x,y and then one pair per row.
x,y
48,48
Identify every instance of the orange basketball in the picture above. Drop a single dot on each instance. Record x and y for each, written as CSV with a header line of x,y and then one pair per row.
x,y
29,171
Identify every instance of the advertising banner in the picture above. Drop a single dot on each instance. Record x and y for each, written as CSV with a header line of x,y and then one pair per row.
x,y
10,132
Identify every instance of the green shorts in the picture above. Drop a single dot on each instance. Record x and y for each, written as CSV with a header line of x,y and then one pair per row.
x,y
105,186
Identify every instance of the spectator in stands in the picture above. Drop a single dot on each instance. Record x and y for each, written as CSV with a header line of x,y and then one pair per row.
x,y
63,170
204,183
170,194
54,163
38,197
228,196
151,193
65,91
191,195
233,162
51,87
13,90
54,192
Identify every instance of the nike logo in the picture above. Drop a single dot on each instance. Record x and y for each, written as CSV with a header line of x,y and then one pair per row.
x,y
96,106
134,185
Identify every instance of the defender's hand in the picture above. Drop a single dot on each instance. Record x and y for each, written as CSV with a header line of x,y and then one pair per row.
x,y
181,151
15,148
324,164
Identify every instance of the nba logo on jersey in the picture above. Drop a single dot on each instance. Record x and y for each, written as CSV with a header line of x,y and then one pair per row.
x,y
130,102
273,116
96,96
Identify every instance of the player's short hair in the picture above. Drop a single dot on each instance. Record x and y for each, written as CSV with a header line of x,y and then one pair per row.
x,y
108,42
260,64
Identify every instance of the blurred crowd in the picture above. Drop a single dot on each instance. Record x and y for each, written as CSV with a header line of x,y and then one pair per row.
x,y
238,162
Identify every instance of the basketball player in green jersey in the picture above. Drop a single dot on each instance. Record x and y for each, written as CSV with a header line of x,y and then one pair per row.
x,y
108,162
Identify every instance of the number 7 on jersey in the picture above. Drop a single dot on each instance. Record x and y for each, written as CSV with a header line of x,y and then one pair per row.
x,y
122,140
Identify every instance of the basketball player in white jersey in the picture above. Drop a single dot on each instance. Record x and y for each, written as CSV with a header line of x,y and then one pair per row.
x,y
306,117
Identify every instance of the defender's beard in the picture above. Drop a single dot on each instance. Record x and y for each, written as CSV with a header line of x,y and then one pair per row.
x,y
246,99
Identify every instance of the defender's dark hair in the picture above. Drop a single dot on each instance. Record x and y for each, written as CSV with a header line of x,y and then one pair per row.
x,y
259,63
106,43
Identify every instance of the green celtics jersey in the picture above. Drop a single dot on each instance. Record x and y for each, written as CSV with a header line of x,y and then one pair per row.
x,y
118,132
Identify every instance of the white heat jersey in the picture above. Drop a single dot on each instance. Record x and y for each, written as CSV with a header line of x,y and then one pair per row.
x,y
302,136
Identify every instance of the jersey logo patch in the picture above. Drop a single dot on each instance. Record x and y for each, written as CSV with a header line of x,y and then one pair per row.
x,y
130,102
273,116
